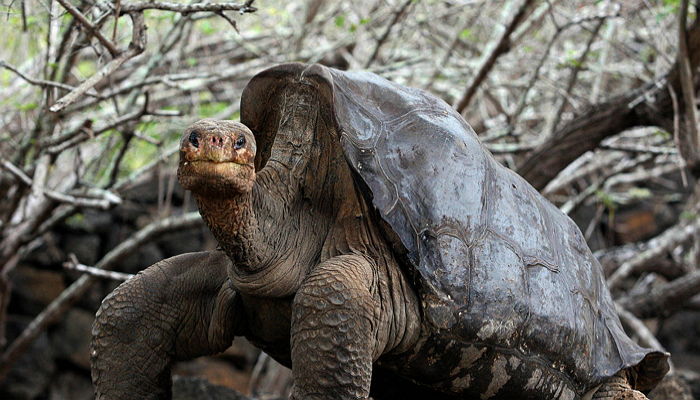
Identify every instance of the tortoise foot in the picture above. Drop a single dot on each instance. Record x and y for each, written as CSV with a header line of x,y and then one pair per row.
x,y
618,388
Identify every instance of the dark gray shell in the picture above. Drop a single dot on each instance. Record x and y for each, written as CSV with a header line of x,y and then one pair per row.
x,y
496,264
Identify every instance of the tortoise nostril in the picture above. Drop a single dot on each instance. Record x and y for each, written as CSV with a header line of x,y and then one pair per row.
x,y
194,139
217,140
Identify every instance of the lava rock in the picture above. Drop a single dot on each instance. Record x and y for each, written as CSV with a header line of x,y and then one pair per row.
x,y
190,388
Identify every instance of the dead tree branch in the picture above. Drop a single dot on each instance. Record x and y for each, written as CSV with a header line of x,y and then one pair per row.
x,y
136,47
690,137
657,247
500,47
188,8
647,106
664,300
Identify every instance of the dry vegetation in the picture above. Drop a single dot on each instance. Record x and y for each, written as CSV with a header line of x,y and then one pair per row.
x,y
588,100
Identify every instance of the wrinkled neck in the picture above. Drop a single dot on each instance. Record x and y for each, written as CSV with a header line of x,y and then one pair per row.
x,y
232,221
252,230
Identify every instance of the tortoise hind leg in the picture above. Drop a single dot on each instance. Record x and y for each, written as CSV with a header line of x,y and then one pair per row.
x,y
618,388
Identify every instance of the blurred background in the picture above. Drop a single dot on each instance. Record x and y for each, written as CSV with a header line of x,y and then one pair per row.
x,y
594,102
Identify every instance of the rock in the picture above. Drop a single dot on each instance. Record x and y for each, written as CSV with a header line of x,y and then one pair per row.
x,y
71,386
71,338
680,331
31,374
146,256
47,254
186,241
33,289
190,388
241,353
215,371
85,247
672,387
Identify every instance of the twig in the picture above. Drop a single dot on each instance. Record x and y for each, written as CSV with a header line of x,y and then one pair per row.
x,y
690,141
41,82
676,131
501,47
663,300
577,200
90,27
639,148
666,241
574,76
188,8
104,203
74,265
397,14
71,294
136,47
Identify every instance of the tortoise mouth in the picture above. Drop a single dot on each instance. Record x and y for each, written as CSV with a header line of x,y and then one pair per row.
x,y
210,168
222,177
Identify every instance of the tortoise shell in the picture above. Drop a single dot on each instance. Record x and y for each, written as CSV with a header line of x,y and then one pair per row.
x,y
495,264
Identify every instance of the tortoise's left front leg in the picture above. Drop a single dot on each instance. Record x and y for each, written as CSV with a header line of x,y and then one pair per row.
x,y
335,319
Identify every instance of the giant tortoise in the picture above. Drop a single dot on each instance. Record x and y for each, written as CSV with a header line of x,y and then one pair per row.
x,y
371,243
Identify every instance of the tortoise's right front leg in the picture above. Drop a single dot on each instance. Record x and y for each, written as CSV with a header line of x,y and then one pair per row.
x,y
177,309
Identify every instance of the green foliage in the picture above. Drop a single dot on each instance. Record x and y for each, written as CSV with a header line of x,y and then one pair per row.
x,y
640,193
466,34
27,106
663,134
607,200
340,21
207,110
689,215
206,27
86,68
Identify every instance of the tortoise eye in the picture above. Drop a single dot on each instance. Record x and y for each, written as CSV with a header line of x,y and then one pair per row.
x,y
240,142
194,139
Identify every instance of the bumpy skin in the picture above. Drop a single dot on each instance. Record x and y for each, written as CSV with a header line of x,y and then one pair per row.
x,y
357,255
177,309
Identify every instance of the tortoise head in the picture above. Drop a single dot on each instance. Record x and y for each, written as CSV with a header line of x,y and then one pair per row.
x,y
217,158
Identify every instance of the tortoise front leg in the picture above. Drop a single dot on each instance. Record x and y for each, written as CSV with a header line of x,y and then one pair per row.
x,y
334,322
177,309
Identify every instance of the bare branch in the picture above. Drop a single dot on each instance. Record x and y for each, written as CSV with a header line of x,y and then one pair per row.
x,y
500,47
135,48
74,265
397,14
104,203
40,82
90,27
690,140
663,243
188,8
664,300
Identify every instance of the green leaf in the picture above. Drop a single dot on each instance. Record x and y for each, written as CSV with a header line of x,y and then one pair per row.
x,y
640,193
689,215
466,34
606,199
206,27
340,21
27,106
